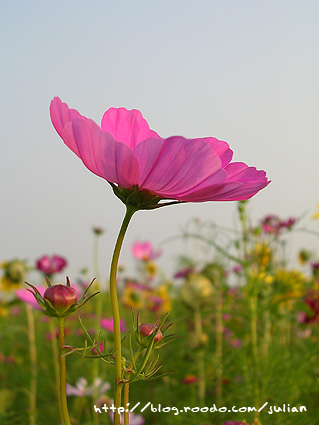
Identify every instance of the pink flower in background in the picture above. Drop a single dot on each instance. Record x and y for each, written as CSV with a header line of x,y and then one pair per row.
x,y
137,286
9,359
183,272
15,311
27,297
315,269
235,423
289,223
133,418
144,251
50,265
272,224
236,342
156,303
237,269
127,153
312,301
108,325
82,389
190,379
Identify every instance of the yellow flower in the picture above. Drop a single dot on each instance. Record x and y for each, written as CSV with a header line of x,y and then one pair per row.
x,y
304,256
14,275
166,304
289,285
3,311
316,214
150,269
133,297
196,290
261,277
262,254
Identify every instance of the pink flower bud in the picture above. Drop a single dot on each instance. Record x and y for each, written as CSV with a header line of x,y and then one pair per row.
x,y
146,329
61,297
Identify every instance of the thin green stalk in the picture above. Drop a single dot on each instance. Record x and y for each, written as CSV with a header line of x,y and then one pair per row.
x,y
98,316
219,345
252,304
127,390
201,360
267,323
33,358
126,401
64,404
115,311
255,350
56,364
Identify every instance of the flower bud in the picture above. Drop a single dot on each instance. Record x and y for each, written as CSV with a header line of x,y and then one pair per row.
x,y
146,329
61,297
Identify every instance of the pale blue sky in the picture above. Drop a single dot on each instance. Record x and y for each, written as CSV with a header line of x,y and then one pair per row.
x,y
242,71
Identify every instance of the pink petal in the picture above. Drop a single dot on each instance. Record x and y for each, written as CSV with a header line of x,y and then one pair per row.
x,y
128,127
221,149
60,115
169,167
242,183
102,155
217,178
142,250
98,150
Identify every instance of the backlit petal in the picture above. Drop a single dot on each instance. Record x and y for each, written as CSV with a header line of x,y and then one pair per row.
x,y
174,165
103,155
60,115
126,126
242,183
221,149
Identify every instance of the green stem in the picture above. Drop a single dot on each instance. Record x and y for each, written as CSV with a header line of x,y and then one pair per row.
x,y
127,390
115,311
33,358
201,360
219,345
252,303
254,341
56,365
98,316
64,404
126,400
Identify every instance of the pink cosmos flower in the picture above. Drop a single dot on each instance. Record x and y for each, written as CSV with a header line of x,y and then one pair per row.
x,y
312,301
108,325
272,224
183,272
144,168
156,303
133,418
137,286
9,359
144,251
236,342
50,265
82,389
190,379
234,423
315,269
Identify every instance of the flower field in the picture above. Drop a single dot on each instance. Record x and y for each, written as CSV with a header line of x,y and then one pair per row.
x,y
244,332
